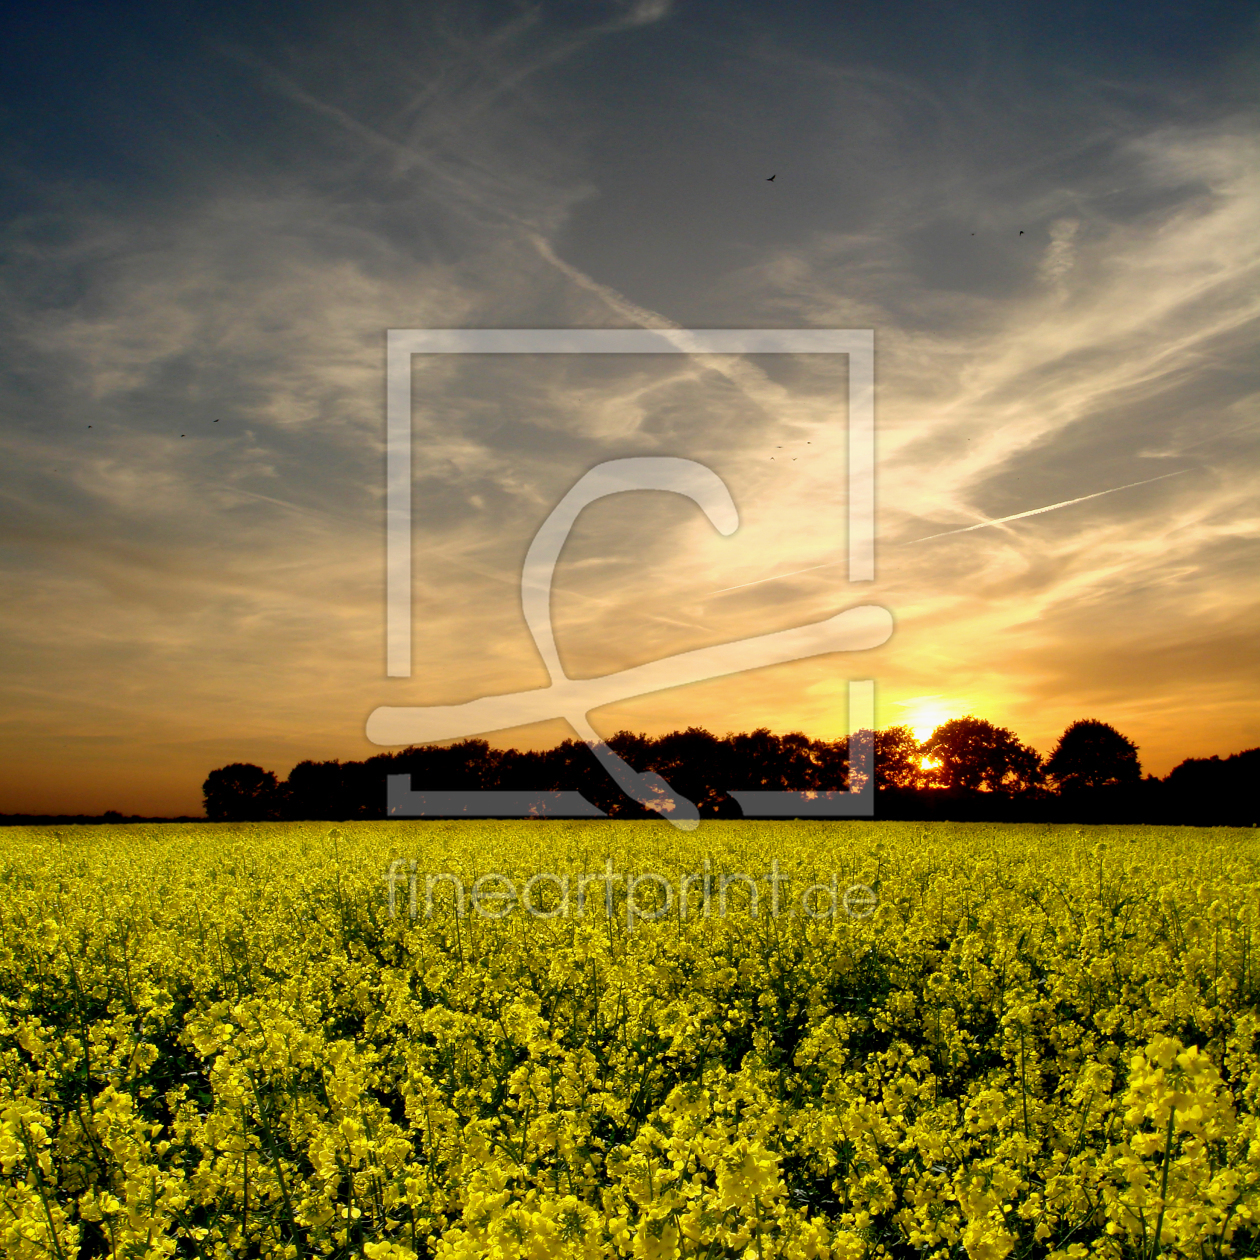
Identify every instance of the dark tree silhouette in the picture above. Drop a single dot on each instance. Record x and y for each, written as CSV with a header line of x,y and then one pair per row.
x,y
833,764
1216,790
800,760
898,760
241,793
331,791
1091,754
975,755
1201,773
982,772
693,762
755,757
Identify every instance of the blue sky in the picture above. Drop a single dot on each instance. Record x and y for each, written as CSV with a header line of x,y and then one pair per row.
x,y
1048,214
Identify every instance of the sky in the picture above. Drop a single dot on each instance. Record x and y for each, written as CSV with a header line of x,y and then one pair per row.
x,y
211,214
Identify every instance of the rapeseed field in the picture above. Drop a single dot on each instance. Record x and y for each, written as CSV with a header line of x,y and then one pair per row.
x,y
286,1040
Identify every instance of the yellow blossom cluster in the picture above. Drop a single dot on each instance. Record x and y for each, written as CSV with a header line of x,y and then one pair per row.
x,y
233,1042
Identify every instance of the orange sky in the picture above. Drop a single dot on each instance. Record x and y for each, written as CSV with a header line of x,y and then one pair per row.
x,y
1064,298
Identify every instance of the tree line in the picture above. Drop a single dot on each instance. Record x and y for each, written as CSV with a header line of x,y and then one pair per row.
x,y
968,769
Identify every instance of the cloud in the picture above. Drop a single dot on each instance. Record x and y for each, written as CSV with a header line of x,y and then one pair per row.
x,y
988,400
225,588
1060,253
644,12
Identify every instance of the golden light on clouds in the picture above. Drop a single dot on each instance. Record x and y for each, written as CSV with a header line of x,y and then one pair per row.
x,y
192,376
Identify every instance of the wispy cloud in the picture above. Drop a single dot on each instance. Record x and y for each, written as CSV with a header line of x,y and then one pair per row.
x,y
1060,254
186,592
644,12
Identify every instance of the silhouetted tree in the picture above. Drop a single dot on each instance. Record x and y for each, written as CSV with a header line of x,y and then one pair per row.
x,y
574,767
632,748
1215,790
975,755
326,790
695,764
755,760
241,793
898,760
986,771
832,760
799,762
1091,754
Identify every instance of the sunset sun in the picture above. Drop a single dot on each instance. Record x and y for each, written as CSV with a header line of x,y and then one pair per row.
x,y
925,713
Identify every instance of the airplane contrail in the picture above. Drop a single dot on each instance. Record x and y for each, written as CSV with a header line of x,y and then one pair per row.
x,y
777,576
1050,507
965,529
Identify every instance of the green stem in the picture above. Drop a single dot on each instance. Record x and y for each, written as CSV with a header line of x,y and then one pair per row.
x,y
1163,1189
1023,1082
43,1197
275,1162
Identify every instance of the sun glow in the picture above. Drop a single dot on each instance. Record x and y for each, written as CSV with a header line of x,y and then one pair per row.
x,y
925,713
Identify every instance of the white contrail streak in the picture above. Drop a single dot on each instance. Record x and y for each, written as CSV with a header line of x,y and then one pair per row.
x,y
1050,507
757,582
965,529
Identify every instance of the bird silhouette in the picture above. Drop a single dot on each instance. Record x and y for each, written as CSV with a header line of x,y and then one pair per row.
x,y
770,177
1021,231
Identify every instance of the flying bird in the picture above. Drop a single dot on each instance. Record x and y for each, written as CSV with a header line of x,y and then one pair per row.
x,y
770,177
1021,231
